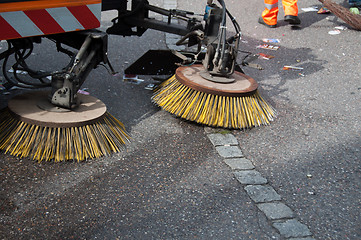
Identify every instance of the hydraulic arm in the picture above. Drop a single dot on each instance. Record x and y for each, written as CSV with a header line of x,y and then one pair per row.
x,y
55,20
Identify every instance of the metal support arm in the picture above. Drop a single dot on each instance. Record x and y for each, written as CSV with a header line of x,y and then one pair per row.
x,y
92,52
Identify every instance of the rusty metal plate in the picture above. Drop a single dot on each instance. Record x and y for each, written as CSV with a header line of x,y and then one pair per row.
x,y
26,108
190,77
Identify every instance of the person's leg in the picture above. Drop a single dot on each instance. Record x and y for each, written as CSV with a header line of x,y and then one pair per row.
x,y
269,15
291,11
290,7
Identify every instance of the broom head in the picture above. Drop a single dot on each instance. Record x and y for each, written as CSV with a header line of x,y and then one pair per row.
x,y
235,105
31,127
354,20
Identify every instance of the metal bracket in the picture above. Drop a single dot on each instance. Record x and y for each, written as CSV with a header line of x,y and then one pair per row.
x,y
92,51
62,97
217,79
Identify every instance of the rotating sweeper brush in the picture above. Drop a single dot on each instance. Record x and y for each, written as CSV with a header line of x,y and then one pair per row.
x,y
214,93
32,127
235,105
57,124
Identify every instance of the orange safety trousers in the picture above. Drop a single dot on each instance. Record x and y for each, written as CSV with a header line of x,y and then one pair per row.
x,y
269,15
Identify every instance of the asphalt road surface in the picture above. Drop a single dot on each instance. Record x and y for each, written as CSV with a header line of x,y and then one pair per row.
x,y
170,183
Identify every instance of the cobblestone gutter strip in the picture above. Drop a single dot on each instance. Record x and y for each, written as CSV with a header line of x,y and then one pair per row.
x,y
265,197
257,187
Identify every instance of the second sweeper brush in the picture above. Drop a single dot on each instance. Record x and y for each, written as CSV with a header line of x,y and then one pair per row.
x,y
235,105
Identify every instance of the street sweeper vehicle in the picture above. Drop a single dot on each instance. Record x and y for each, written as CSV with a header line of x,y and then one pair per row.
x,y
57,123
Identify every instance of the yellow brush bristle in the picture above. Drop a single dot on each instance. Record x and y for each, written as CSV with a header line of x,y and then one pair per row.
x,y
213,110
105,136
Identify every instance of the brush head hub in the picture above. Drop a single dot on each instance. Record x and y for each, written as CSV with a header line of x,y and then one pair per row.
x,y
31,108
242,85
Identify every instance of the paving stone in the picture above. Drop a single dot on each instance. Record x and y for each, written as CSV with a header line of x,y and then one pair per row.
x,y
208,130
239,163
261,194
275,211
292,228
250,177
223,139
229,151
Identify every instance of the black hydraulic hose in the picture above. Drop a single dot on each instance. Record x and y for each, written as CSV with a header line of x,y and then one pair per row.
x,y
222,39
235,23
20,60
14,83
20,83
223,12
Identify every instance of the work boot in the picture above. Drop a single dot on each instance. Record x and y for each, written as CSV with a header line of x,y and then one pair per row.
x,y
293,20
261,21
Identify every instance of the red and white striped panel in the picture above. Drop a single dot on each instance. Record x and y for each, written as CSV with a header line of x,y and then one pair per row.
x,y
35,22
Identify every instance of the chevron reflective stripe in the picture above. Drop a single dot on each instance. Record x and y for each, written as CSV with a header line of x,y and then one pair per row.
x,y
44,21
21,24
84,15
65,19
36,22
6,30
96,9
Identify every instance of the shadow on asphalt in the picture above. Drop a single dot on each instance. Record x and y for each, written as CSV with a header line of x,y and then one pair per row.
x,y
272,69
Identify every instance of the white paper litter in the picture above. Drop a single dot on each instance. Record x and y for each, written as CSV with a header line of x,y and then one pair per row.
x,y
310,9
334,32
